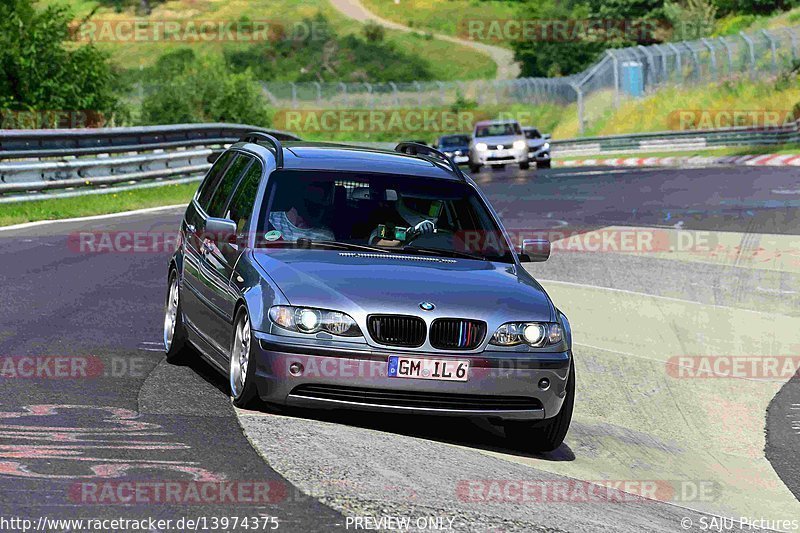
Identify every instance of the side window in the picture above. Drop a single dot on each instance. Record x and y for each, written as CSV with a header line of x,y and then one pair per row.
x,y
226,186
212,179
241,206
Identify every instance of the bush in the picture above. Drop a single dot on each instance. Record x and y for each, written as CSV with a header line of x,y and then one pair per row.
x,y
203,91
373,32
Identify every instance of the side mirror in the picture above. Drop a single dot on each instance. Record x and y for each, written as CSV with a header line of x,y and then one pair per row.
x,y
213,156
534,250
221,230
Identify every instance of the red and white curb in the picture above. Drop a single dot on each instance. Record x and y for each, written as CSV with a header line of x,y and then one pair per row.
x,y
769,160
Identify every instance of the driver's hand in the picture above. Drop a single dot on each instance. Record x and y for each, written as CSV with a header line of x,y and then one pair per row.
x,y
426,226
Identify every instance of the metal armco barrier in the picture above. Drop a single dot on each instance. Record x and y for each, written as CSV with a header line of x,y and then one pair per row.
x,y
33,161
679,140
41,160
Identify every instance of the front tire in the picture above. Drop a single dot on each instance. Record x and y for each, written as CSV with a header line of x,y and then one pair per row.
x,y
242,362
174,330
474,169
543,164
524,165
545,435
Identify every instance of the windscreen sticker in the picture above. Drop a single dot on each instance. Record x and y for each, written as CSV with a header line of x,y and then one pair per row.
x,y
272,235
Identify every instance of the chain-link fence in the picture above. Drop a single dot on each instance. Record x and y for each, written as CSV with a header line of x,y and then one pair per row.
x,y
620,74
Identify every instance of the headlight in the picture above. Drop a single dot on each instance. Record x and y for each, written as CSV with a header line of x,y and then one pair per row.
x,y
520,145
481,147
546,146
309,320
536,334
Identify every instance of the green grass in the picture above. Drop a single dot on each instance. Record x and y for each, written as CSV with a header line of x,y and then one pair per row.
x,y
656,112
461,63
446,17
95,204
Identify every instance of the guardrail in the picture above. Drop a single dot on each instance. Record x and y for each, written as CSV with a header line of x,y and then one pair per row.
x,y
32,161
672,141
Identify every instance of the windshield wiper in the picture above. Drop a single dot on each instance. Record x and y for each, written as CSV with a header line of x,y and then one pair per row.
x,y
448,253
302,243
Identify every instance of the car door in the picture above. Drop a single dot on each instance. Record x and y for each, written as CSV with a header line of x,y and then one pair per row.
x,y
220,258
206,317
193,229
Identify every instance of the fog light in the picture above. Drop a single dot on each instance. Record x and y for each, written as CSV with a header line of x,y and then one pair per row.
x,y
544,384
296,369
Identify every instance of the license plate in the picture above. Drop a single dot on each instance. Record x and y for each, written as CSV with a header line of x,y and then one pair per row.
x,y
498,153
436,369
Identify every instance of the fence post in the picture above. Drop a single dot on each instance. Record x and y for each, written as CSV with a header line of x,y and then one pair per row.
x,y
663,55
419,93
772,49
319,93
441,92
579,92
713,55
695,59
371,96
294,94
615,66
344,92
750,46
727,46
650,62
793,37
394,92
678,62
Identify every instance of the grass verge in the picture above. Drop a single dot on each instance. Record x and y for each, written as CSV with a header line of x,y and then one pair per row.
x,y
95,204
714,152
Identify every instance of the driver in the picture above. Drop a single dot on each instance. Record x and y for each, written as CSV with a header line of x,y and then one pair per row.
x,y
304,219
420,214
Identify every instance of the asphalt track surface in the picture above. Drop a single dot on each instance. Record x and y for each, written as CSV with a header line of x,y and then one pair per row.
x,y
632,422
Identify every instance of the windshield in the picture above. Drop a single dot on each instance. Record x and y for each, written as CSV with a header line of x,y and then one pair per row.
x,y
454,140
390,213
494,130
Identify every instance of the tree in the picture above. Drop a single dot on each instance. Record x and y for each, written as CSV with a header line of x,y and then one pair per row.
x,y
41,70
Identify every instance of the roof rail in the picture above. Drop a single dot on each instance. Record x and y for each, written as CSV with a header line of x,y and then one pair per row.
x,y
412,148
256,136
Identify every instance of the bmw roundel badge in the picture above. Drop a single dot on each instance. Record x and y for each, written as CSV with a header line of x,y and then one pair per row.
x,y
427,306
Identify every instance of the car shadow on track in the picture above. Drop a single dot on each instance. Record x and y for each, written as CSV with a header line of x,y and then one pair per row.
x,y
478,433
473,433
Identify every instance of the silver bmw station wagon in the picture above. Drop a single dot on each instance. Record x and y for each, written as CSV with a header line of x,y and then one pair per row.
x,y
335,277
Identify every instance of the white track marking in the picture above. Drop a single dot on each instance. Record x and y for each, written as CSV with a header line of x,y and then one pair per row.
x,y
93,217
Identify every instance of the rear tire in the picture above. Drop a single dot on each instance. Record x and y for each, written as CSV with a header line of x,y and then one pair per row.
x,y
242,362
545,435
174,330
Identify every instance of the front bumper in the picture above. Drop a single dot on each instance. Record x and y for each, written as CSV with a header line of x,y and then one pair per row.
x,y
540,156
499,157
502,385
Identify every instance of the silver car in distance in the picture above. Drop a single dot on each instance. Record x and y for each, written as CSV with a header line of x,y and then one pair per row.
x,y
334,277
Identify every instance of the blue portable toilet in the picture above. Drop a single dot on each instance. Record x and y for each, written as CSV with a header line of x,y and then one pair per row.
x,y
633,78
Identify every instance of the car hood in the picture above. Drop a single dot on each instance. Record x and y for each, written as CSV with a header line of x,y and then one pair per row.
x,y
360,284
536,143
498,139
